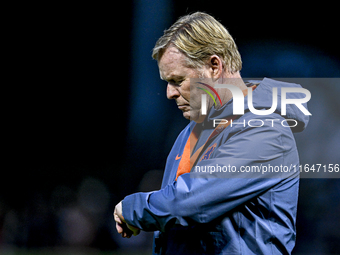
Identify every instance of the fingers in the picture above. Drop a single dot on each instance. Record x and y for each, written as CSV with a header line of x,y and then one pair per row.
x,y
119,210
116,218
119,228
124,229
126,232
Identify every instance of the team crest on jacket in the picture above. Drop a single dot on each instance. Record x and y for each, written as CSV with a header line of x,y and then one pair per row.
x,y
208,152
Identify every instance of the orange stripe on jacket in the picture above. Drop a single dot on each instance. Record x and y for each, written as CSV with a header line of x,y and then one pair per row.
x,y
187,161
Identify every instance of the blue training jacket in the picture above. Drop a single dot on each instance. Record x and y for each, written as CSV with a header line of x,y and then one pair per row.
x,y
224,215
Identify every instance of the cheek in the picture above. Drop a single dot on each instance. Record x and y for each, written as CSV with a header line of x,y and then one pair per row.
x,y
195,102
185,91
196,98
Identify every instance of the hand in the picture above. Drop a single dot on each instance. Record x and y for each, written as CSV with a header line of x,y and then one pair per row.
x,y
122,227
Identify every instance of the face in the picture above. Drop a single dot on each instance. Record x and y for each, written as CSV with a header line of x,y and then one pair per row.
x,y
174,70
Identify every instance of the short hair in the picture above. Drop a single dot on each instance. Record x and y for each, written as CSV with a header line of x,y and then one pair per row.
x,y
200,36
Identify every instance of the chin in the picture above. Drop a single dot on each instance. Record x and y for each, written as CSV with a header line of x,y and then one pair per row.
x,y
187,115
194,116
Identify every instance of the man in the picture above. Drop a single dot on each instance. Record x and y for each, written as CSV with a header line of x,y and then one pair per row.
x,y
228,213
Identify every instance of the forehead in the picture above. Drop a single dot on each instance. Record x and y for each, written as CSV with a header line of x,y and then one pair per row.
x,y
172,63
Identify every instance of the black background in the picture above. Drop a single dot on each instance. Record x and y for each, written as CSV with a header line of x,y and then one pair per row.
x,y
67,86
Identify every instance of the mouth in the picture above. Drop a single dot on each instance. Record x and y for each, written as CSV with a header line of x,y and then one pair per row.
x,y
183,107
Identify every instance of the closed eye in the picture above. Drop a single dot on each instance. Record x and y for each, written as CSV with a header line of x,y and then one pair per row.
x,y
176,82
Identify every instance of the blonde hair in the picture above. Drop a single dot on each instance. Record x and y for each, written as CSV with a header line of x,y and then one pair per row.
x,y
200,36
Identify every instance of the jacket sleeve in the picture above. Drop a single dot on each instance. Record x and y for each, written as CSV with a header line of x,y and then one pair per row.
x,y
201,200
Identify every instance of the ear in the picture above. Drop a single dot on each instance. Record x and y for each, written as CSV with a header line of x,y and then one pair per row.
x,y
216,67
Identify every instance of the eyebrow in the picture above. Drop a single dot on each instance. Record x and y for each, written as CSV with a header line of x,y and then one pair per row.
x,y
172,78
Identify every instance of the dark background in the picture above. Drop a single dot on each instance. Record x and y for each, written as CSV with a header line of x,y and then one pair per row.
x,y
86,113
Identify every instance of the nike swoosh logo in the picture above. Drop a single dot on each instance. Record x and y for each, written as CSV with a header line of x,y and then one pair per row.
x,y
177,158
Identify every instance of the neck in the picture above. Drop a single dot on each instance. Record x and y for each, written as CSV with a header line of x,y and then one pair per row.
x,y
233,79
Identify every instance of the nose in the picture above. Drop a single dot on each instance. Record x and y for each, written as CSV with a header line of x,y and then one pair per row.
x,y
172,92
